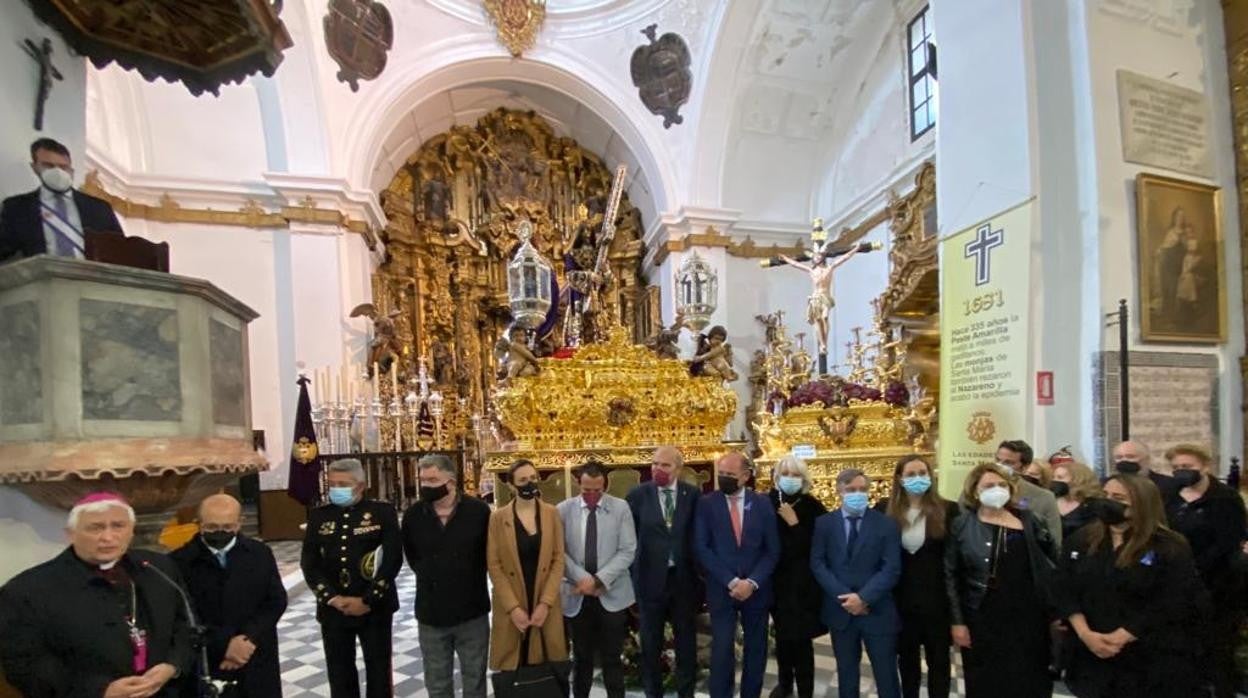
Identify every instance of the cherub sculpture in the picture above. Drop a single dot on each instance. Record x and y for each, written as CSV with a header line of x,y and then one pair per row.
x,y
714,355
663,343
384,349
514,357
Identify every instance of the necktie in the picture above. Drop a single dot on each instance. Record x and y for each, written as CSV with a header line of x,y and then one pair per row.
x,y
669,507
853,535
735,510
220,555
591,541
64,246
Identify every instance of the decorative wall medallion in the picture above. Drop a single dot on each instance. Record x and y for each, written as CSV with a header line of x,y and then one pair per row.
x,y
358,34
662,76
518,22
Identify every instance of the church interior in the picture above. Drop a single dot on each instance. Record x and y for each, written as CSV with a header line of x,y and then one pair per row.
x,y
850,231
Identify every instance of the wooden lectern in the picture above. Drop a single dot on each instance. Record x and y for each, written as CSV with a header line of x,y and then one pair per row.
x,y
136,252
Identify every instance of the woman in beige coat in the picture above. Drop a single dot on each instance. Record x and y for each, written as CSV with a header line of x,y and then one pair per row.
x,y
525,555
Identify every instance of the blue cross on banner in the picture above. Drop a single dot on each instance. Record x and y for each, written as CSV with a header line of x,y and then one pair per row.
x,y
986,239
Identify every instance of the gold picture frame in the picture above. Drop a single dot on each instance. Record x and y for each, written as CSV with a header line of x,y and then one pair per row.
x,y
1181,261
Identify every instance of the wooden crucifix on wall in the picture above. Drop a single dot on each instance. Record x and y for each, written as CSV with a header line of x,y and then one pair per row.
x,y
42,53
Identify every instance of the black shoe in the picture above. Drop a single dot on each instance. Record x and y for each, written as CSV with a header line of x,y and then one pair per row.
x,y
781,691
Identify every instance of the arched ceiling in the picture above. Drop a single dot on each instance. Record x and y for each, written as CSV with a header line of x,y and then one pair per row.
x,y
794,91
437,112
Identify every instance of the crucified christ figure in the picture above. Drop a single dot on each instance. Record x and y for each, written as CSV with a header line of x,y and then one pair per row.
x,y
820,302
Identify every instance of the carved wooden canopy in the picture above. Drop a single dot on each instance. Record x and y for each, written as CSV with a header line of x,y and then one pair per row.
x,y
202,44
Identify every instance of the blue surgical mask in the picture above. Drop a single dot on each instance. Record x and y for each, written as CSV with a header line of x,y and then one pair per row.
x,y
855,502
342,496
917,484
789,484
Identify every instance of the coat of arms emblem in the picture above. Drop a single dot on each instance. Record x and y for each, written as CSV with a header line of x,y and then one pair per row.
x,y
359,34
305,451
518,22
661,74
981,428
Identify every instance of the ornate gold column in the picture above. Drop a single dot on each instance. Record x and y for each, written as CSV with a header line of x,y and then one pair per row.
x,y
1235,19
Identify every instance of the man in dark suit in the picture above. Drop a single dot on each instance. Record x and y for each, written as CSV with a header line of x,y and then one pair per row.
x,y
238,596
856,558
54,218
1134,458
664,571
738,546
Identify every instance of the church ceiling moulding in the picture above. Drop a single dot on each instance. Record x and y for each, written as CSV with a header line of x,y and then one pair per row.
x,y
713,238
203,44
359,34
453,210
250,215
518,22
661,74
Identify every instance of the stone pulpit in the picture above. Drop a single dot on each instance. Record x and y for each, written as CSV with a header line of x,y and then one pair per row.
x,y
124,379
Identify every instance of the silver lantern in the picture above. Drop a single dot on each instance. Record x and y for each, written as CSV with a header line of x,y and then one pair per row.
x,y
697,287
528,282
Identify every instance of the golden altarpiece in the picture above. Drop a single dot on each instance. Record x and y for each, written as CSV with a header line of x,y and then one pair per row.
x,y
454,210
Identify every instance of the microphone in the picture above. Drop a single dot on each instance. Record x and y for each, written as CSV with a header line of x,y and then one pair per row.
x,y
211,687
828,253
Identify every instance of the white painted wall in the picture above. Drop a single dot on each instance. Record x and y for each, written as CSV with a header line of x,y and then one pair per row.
x,y
1189,52
64,115
32,532
1035,113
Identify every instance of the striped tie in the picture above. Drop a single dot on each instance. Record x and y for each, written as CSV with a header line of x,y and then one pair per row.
x,y
65,247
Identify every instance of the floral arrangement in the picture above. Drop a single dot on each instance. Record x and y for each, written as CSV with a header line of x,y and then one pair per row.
x,y
834,391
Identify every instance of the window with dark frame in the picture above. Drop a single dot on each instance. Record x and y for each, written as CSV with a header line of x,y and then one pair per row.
x,y
922,81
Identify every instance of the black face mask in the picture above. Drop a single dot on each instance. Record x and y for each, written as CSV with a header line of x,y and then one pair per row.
x,y
528,490
1110,512
433,494
728,484
217,540
1127,467
1187,478
1060,489
1032,479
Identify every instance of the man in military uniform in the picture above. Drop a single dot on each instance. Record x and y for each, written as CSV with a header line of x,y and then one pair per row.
x,y
352,551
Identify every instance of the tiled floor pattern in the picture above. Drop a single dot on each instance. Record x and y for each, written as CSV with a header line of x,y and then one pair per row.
x,y
303,662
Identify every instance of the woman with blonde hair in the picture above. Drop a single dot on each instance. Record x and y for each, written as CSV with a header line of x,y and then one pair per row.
x,y
1073,485
796,624
924,518
1038,474
998,569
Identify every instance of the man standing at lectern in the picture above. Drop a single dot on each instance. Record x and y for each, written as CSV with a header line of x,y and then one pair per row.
x,y
54,218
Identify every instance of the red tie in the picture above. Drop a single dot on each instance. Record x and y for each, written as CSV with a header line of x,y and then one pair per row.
x,y
735,510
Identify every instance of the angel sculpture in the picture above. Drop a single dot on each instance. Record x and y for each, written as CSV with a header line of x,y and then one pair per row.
x,y
663,343
514,357
384,349
714,355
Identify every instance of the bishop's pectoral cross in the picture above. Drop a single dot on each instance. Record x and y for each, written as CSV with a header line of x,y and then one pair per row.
x,y
42,53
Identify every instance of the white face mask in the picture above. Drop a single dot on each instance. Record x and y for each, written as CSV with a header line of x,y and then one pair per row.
x,y
995,497
57,179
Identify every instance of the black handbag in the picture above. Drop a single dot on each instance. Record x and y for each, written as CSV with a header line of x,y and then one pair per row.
x,y
544,680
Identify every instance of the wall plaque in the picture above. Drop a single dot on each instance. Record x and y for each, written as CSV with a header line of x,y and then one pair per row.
x,y
1173,396
1164,125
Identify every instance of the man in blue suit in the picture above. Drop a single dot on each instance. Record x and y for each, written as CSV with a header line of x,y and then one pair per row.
x,y
856,557
738,546
665,576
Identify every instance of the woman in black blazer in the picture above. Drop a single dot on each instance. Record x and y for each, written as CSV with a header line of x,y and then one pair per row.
x,y
924,518
797,625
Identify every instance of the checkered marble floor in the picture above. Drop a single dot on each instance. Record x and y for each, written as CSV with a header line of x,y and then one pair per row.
x,y
303,661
